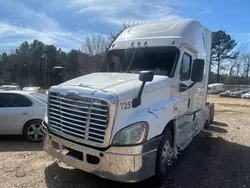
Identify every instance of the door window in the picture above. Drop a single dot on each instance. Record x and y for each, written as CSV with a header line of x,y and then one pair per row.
x,y
14,100
185,67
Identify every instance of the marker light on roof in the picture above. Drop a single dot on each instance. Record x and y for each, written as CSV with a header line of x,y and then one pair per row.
x,y
172,42
139,43
145,43
132,44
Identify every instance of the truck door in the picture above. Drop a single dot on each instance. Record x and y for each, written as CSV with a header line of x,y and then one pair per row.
x,y
186,99
187,89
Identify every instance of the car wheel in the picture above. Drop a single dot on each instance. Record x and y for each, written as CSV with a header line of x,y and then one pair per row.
x,y
33,131
165,156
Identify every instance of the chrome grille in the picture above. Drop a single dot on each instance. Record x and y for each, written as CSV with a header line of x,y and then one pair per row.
x,y
83,118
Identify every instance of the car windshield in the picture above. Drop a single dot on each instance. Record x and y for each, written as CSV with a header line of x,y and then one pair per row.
x,y
159,59
40,97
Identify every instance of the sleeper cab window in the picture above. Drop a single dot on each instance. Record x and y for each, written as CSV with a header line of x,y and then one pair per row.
x,y
185,70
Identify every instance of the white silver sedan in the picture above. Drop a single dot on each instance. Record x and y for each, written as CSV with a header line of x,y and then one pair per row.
x,y
21,113
246,95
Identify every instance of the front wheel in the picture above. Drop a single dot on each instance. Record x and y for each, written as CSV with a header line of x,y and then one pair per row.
x,y
33,131
165,155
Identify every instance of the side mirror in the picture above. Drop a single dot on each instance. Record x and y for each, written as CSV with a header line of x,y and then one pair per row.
x,y
146,76
197,70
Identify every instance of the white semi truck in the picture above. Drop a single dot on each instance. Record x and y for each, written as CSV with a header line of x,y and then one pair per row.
x,y
129,121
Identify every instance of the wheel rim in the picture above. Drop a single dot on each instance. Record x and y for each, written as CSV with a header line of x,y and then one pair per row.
x,y
34,132
166,156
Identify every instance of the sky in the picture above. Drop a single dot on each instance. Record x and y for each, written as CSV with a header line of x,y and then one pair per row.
x,y
66,23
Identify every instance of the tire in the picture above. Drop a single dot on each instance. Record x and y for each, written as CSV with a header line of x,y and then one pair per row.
x,y
163,157
208,121
207,124
211,113
210,118
33,131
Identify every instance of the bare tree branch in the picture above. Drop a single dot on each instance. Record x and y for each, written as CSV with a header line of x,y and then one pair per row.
x,y
95,44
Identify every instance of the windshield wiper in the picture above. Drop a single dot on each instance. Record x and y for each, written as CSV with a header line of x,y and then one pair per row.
x,y
131,60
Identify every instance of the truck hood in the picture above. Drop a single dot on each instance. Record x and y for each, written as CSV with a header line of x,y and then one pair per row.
x,y
124,85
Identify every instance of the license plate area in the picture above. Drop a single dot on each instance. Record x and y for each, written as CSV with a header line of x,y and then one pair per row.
x,y
75,154
69,152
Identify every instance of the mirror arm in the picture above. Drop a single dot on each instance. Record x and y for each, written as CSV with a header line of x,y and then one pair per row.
x,y
191,85
187,87
137,101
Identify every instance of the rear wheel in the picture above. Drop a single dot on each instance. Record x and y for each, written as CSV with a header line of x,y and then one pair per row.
x,y
211,112
33,131
165,155
210,118
207,123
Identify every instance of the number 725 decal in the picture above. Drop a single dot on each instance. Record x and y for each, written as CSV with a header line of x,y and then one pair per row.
x,y
125,105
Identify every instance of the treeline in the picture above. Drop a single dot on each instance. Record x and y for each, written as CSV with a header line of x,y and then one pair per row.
x,y
230,63
229,80
33,63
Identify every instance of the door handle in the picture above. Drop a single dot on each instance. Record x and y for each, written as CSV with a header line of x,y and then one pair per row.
x,y
188,103
25,113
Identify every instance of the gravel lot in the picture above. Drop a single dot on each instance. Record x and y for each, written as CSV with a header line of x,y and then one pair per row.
x,y
219,157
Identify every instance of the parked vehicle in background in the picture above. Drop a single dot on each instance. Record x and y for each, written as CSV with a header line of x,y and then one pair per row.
x,y
215,88
32,88
225,93
21,113
9,87
234,94
237,94
129,121
246,95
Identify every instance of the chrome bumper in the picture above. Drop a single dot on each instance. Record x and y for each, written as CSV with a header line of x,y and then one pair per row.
x,y
124,164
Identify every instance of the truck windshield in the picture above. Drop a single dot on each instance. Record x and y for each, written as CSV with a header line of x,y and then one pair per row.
x,y
159,59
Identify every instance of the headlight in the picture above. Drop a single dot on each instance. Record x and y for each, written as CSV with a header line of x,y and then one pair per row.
x,y
46,116
133,134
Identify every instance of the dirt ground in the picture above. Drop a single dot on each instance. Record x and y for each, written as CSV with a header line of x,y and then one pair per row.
x,y
219,157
